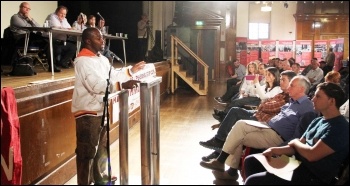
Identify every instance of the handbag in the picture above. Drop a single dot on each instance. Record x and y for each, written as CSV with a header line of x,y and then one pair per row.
x,y
24,67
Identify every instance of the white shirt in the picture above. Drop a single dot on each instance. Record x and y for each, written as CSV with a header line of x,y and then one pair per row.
x,y
316,74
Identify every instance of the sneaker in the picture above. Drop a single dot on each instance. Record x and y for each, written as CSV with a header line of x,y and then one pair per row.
x,y
213,164
213,155
213,143
218,99
224,175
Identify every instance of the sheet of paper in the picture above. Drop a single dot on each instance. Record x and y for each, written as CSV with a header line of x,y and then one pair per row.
x,y
257,123
282,166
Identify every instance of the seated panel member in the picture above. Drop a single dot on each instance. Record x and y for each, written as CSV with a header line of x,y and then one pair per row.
x,y
63,51
24,19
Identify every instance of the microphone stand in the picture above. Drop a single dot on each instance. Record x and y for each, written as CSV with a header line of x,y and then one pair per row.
x,y
105,110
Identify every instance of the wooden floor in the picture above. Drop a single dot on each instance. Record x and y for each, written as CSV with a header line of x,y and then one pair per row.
x,y
185,119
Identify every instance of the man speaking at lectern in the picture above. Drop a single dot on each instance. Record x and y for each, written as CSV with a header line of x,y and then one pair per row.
x,y
92,69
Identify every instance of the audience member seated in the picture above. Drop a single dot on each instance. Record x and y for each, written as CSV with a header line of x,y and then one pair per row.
x,y
243,89
325,68
265,111
270,89
296,68
63,51
261,134
236,79
315,75
331,77
321,149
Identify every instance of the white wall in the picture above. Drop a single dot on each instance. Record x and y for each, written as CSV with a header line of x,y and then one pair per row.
x,y
40,10
242,19
281,20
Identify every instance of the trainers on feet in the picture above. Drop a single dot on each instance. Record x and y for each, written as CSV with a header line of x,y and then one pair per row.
x,y
224,175
213,164
213,155
213,143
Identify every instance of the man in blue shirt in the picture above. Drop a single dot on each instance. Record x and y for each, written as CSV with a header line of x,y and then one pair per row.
x,y
262,135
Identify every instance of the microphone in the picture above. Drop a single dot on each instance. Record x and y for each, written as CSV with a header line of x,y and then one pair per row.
x,y
98,13
116,57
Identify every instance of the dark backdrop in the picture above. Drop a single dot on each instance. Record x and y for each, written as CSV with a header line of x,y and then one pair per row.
x,y
120,16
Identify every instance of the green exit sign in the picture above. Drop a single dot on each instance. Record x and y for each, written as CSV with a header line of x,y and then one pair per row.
x,y
199,23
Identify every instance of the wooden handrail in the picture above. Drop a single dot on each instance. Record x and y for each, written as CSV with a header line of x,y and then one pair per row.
x,y
175,42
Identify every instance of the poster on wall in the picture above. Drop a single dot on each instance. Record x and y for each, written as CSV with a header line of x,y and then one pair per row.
x,y
285,49
303,52
252,50
338,49
320,50
241,50
268,50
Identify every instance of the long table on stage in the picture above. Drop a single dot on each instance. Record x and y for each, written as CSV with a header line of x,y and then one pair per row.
x,y
77,33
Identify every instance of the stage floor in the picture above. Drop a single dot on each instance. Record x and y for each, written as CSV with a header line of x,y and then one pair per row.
x,y
41,76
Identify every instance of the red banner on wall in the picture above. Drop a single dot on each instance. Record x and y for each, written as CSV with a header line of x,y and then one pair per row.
x,y
320,49
268,50
285,49
252,50
303,52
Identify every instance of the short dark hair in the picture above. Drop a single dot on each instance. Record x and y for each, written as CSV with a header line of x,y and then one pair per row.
x,y
333,90
289,73
61,7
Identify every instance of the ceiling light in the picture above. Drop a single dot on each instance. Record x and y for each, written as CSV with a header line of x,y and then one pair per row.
x,y
266,8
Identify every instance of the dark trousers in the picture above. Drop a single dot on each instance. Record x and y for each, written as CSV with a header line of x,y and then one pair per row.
x,y
63,52
91,150
143,42
231,82
257,175
233,91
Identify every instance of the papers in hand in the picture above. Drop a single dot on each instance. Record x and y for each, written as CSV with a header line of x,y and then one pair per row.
x,y
257,123
282,166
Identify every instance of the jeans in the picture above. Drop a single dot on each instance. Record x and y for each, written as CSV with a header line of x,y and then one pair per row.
x,y
234,114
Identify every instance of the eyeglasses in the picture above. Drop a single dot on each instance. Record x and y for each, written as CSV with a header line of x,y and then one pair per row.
x,y
26,8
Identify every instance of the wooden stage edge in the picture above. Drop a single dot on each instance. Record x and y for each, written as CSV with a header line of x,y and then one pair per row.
x,y
47,126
